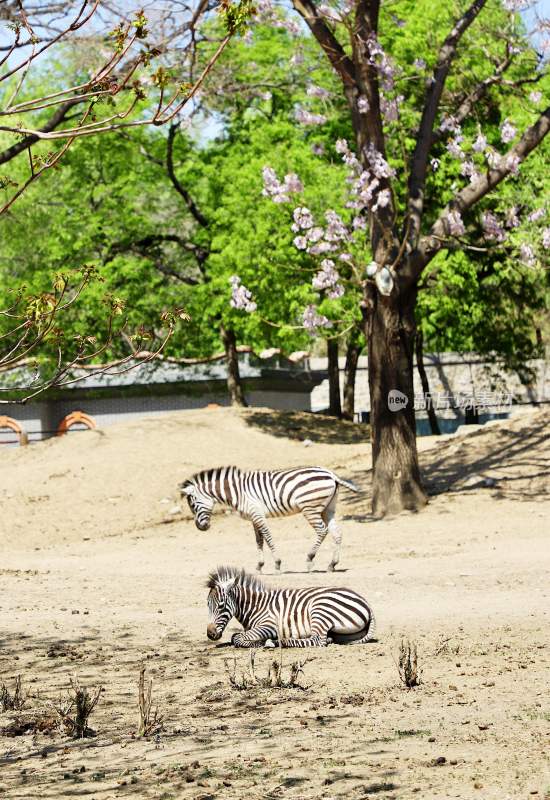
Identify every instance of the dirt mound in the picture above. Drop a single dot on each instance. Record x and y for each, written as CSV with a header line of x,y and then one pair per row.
x,y
124,478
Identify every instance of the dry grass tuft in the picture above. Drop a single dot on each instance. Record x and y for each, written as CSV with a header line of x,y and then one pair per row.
x,y
407,664
274,679
15,701
150,722
77,709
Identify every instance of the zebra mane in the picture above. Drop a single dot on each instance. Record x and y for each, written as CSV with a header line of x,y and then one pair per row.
x,y
207,473
223,574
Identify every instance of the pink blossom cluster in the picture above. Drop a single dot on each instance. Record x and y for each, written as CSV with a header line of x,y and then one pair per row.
x,y
267,14
277,191
456,225
363,104
449,123
527,255
312,320
512,219
241,297
492,227
389,105
328,278
317,91
315,239
365,184
454,147
507,131
537,214
480,144
305,117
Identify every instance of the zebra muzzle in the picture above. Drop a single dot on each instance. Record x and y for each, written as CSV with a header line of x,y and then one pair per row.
x,y
212,632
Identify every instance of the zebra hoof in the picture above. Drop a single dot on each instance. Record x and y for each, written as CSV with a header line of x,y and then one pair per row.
x,y
277,566
259,569
269,643
331,567
309,565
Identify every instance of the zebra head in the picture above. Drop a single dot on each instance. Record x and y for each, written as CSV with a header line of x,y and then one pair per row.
x,y
200,504
221,606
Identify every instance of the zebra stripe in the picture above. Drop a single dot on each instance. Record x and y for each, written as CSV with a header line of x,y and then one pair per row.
x,y
256,495
312,617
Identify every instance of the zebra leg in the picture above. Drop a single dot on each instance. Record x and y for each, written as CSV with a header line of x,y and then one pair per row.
x,y
260,546
255,637
316,521
261,525
315,640
336,540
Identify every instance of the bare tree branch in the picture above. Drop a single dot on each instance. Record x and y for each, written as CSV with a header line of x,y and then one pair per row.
x,y
110,80
332,48
180,189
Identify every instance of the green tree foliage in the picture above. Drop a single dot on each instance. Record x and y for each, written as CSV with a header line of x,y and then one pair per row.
x,y
111,204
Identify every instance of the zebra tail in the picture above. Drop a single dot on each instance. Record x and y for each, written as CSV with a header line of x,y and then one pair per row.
x,y
348,484
368,634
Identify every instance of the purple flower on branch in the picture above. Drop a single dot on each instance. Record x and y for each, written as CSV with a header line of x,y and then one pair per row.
x,y
492,227
312,320
512,162
277,191
303,218
480,143
454,148
314,234
527,255
507,131
336,230
305,117
293,184
317,91
456,225
241,297
327,277
537,214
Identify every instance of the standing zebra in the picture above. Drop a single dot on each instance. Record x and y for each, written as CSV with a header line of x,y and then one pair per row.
x,y
313,491
311,617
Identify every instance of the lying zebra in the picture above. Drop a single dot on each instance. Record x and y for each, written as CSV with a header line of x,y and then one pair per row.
x,y
313,491
313,617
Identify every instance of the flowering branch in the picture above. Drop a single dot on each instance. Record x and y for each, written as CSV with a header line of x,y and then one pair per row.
x,y
417,179
471,194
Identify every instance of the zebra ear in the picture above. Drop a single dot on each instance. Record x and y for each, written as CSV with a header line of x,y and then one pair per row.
x,y
229,583
186,488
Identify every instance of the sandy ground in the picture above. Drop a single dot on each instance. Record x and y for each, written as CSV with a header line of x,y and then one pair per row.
x,y
101,571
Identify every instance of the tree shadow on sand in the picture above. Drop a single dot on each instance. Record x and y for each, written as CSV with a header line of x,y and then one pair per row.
x,y
514,462
302,425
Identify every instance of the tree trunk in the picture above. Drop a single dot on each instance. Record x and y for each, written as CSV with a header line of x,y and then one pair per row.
x,y
353,352
334,404
390,333
234,384
434,424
